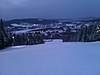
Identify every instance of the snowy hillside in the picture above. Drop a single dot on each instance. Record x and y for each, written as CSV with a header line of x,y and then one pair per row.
x,y
51,58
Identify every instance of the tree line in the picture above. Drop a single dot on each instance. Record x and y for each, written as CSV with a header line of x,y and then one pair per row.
x,y
84,34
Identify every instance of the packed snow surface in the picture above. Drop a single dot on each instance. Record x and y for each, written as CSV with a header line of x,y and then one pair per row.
x,y
51,58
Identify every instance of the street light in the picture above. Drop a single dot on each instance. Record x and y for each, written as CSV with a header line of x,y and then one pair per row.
x,y
13,40
13,37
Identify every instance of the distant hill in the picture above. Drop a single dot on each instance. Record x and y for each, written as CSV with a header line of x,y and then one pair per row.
x,y
48,21
31,21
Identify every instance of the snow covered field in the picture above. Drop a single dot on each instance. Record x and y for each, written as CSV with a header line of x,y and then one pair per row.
x,y
52,58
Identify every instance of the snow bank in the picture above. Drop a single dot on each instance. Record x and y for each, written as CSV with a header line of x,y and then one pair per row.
x,y
52,58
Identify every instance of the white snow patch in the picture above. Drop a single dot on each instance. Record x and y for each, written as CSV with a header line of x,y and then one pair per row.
x,y
17,46
22,31
15,25
22,25
70,24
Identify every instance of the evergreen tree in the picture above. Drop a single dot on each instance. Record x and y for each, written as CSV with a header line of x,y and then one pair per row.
x,y
1,34
4,40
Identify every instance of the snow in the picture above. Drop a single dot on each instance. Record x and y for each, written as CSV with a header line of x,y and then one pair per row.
x,y
51,58
22,25
70,24
15,25
22,31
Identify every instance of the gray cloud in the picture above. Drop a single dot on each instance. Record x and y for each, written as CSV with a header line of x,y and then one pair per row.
x,y
10,9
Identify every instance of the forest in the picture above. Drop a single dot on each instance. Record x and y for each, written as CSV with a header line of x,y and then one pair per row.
x,y
86,33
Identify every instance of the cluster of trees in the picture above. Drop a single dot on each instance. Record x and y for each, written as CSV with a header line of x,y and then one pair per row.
x,y
35,37
9,39
84,34
31,38
27,39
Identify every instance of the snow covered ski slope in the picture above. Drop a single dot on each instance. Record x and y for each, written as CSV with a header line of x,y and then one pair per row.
x,y
51,58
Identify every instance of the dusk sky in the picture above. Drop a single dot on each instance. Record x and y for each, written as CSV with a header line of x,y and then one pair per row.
x,y
11,9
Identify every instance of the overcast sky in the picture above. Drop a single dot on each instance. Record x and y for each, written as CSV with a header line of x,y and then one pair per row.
x,y
11,9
